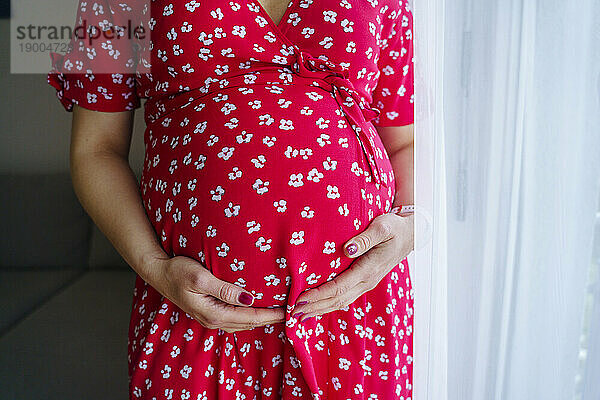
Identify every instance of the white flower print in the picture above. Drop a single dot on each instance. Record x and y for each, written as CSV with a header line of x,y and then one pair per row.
x,y
347,25
175,352
260,186
280,205
307,32
322,123
323,139
297,238
226,153
302,268
253,226
344,363
185,371
329,16
148,348
186,27
217,193
217,13
200,162
314,96
244,137
92,98
263,244
272,280
343,210
188,335
269,141
314,175
192,5
237,265
312,278
356,169
307,212
296,180
182,241
166,372
235,173
286,124
329,247
185,394
358,389
222,250
306,110
332,192
335,264
266,119
259,161
232,210
239,30
282,262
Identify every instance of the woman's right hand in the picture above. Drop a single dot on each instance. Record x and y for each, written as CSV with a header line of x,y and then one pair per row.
x,y
214,303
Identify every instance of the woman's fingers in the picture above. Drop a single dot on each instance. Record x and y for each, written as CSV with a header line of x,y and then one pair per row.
x,y
325,306
230,304
214,313
214,303
379,230
360,273
205,282
364,274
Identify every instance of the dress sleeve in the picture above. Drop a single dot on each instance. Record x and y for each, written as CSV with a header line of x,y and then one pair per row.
x,y
97,74
394,93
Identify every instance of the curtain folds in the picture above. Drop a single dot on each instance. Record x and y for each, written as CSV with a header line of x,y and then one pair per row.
x,y
507,163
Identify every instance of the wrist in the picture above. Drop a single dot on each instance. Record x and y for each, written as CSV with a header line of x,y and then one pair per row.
x,y
418,216
406,217
403,209
152,265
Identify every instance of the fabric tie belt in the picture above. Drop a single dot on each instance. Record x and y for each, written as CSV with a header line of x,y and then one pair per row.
x,y
334,78
327,75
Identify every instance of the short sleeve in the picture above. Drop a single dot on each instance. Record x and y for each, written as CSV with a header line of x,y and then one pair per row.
x,y
98,70
394,94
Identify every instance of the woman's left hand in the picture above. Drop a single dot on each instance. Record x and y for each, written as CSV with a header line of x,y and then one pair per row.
x,y
388,239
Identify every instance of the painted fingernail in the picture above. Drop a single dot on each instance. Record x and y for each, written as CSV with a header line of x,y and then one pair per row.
x,y
298,314
306,319
245,298
351,248
302,302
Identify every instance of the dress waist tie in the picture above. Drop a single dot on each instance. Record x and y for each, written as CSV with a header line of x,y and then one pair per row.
x,y
327,75
334,78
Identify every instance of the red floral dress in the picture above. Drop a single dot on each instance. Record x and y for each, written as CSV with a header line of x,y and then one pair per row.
x,y
262,159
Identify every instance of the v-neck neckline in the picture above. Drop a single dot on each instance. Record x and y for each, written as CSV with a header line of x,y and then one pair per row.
x,y
282,22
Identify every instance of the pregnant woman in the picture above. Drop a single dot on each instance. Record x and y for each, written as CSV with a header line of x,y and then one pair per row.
x,y
270,261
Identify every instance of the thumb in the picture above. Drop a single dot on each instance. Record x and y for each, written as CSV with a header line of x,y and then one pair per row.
x,y
228,292
378,231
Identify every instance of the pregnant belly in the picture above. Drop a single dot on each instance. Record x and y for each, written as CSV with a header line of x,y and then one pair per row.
x,y
262,187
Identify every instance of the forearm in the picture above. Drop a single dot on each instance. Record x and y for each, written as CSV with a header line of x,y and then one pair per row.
x,y
399,144
108,190
402,163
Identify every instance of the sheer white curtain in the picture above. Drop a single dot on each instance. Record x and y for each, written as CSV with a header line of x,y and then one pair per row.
x,y
507,299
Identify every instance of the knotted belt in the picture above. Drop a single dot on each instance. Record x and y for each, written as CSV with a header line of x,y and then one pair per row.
x,y
325,74
334,78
